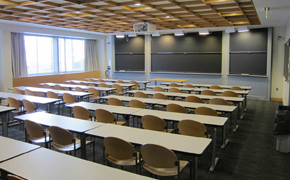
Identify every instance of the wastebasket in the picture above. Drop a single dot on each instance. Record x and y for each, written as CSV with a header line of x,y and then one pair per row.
x,y
282,129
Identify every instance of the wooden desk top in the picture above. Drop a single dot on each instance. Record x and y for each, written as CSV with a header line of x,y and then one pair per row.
x,y
47,164
34,99
69,123
129,98
6,109
208,85
172,80
11,148
176,142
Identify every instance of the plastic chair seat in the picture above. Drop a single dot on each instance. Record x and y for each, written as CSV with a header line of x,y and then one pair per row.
x,y
118,93
120,122
70,147
125,162
166,171
40,140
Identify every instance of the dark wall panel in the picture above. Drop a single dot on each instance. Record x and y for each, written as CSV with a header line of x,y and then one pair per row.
x,y
130,44
130,62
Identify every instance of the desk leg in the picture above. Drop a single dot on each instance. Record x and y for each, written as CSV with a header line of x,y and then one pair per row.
x,y
83,146
225,141
194,165
4,125
245,109
4,175
155,83
235,120
242,110
145,84
214,159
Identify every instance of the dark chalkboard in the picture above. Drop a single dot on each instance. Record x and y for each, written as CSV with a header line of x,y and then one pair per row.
x,y
130,62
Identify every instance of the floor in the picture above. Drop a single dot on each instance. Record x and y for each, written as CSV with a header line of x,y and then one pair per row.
x,y
251,153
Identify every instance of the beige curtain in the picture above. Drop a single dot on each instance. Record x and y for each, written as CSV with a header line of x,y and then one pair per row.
x,y
91,55
19,66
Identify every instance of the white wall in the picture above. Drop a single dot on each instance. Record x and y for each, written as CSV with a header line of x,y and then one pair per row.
x,y
285,83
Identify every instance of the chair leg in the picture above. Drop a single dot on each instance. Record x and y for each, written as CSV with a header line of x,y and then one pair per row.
x,y
94,155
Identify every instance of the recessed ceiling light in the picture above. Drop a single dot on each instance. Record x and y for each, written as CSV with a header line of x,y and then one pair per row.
x,y
137,4
156,34
120,36
167,16
179,33
243,29
132,35
77,12
230,30
204,32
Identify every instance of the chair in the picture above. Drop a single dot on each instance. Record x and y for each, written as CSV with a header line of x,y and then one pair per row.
x,y
236,88
193,99
140,94
36,133
121,152
173,85
230,94
189,86
154,123
119,89
72,82
103,85
64,140
79,89
101,80
29,106
160,96
12,102
115,102
17,91
58,87
81,113
68,99
192,128
174,90
96,96
29,92
208,92
51,94
215,87
206,111
175,108
91,80
47,86
83,83
136,85
12,177
105,116
157,88
161,161
120,81
137,104
218,101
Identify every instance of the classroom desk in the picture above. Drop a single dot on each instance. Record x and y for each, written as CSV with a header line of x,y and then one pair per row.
x,y
128,86
167,88
208,85
169,94
35,99
149,101
11,148
72,124
179,143
115,80
46,164
4,110
171,80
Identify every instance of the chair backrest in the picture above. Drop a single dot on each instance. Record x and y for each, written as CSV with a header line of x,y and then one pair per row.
x,y
157,88
101,80
136,84
79,89
104,116
118,148
29,106
81,113
175,108
60,136
215,87
58,87
236,88
158,156
121,81
174,85
192,128
34,130
153,123
205,111
95,91
12,177
194,99
51,94
160,96
140,94
29,92
17,91
72,82
137,104
218,101
174,90
12,102
115,102
46,86
91,80
103,85
68,98
230,94
118,87
208,92
83,83
189,86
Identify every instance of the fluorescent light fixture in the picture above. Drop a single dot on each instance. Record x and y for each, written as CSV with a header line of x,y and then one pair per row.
x,y
230,30
243,29
137,4
156,34
179,33
120,36
167,16
132,35
204,32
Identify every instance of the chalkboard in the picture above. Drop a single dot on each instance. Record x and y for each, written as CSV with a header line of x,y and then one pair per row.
x,y
248,52
129,53
190,53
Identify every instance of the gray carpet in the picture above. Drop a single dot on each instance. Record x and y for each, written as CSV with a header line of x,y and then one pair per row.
x,y
251,153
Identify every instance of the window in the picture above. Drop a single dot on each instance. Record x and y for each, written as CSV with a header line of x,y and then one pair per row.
x,y
52,55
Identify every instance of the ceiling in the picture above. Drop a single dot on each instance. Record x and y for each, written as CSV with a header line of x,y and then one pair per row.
x,y
112,16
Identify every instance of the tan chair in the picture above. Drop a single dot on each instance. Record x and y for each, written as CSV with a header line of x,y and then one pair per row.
x,y
81,113
83,83
154,123
206,111
175,108
101,80
119,89
67,99
236,88
47,86
173,85
29,106
121,152
36,133
105,116
12,102
230,94
17,91
120,81
91,80
140,94
208,92
79,89
174,90
29,92
12,177
192,128
58,87
160,89
51,94
189,86
193,99
64,140
137,104
218,101
136,87
104,85
215,87
72,82
96,96
115,102
161,161
160,96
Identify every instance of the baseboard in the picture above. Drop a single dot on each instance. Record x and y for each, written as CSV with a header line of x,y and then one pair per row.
x,y
277,99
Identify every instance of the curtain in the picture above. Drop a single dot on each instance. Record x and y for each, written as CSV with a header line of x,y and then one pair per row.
x,y
19,67
91,55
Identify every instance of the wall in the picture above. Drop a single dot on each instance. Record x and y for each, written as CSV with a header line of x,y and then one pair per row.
x,y
286,84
